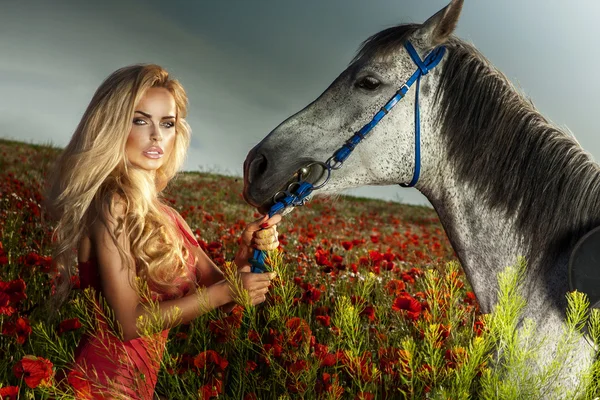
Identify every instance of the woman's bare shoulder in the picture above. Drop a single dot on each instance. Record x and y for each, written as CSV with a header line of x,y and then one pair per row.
x,y
108,216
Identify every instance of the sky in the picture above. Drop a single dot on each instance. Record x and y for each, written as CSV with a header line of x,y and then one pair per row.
x,y
248,65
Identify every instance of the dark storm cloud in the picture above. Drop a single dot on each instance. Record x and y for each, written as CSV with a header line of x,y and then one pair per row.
x,y
248,65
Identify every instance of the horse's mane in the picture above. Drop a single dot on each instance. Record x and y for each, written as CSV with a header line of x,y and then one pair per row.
x,y
500,145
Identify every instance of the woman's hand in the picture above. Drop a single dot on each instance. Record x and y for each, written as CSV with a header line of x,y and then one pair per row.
x,y
257,286
261,235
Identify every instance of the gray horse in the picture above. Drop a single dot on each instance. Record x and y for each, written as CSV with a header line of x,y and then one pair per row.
x,y
503,180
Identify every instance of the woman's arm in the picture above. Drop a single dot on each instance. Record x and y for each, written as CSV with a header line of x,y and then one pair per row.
x,y
118,285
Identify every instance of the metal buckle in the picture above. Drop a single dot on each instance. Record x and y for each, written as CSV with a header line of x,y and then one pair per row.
x,y
325,167
404,85
280,194
337,165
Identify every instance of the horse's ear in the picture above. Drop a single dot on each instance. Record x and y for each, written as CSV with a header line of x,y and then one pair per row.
x,y
438,27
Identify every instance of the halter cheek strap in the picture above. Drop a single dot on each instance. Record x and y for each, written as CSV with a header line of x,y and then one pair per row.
x,y
424,67
296,196
417,171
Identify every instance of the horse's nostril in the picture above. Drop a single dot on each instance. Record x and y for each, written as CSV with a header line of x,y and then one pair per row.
x,y
258,167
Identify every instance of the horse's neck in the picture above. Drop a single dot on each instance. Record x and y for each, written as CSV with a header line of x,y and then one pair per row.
x,y
485,241
539,214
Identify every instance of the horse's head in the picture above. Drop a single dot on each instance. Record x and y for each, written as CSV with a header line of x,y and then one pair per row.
x,y
387,155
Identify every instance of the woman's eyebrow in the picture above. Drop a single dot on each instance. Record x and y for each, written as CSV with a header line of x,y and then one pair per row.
x,y
150,116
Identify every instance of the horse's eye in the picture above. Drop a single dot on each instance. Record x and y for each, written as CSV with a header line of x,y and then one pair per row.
x,y
368,83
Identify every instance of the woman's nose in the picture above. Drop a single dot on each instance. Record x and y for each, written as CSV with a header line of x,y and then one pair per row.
x,y
156,134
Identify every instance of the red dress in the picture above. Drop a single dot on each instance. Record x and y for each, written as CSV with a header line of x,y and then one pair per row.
x,y
118,369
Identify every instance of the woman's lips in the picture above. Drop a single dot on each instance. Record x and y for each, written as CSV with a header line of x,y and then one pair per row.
x,y
153,154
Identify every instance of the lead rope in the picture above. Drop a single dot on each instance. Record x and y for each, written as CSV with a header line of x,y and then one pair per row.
x,y
297,192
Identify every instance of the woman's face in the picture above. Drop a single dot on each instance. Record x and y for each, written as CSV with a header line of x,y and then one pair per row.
x,y
152,134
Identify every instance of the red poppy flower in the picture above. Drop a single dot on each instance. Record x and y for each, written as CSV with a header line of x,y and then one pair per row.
x,y
275,349
395,287
33,259
347,245
369,312
226,329
10,293
388,359
376,257
337,259
211,389
299,331
34,370
9,393
478,327
21,328
406,302
322,258
83,388
214,246
297,367
311,294
324,320
320,350
14,289
322,353
253,336
470,298
323,310
69,325
250,366
210,357
324,385
75,282
454,356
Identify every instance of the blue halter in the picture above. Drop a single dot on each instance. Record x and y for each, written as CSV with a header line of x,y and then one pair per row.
x,y
297,192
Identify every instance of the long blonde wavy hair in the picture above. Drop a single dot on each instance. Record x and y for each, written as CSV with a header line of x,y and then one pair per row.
x,y
93,168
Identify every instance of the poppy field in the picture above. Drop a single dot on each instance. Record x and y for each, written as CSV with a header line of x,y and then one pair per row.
x,y
369,303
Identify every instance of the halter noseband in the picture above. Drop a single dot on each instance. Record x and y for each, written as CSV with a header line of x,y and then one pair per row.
x,y
297,192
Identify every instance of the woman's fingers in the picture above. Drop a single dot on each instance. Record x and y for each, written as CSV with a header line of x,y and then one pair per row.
x,y
258,299
267,247
266,239
274,220
262,233
257,281
259,286
263,223
259,292
266,233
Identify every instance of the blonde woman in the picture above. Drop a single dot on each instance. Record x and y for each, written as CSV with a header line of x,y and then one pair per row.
x,y
106,200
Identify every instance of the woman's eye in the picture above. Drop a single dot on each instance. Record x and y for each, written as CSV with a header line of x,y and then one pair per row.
x,y
138,121
368,83
169,124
